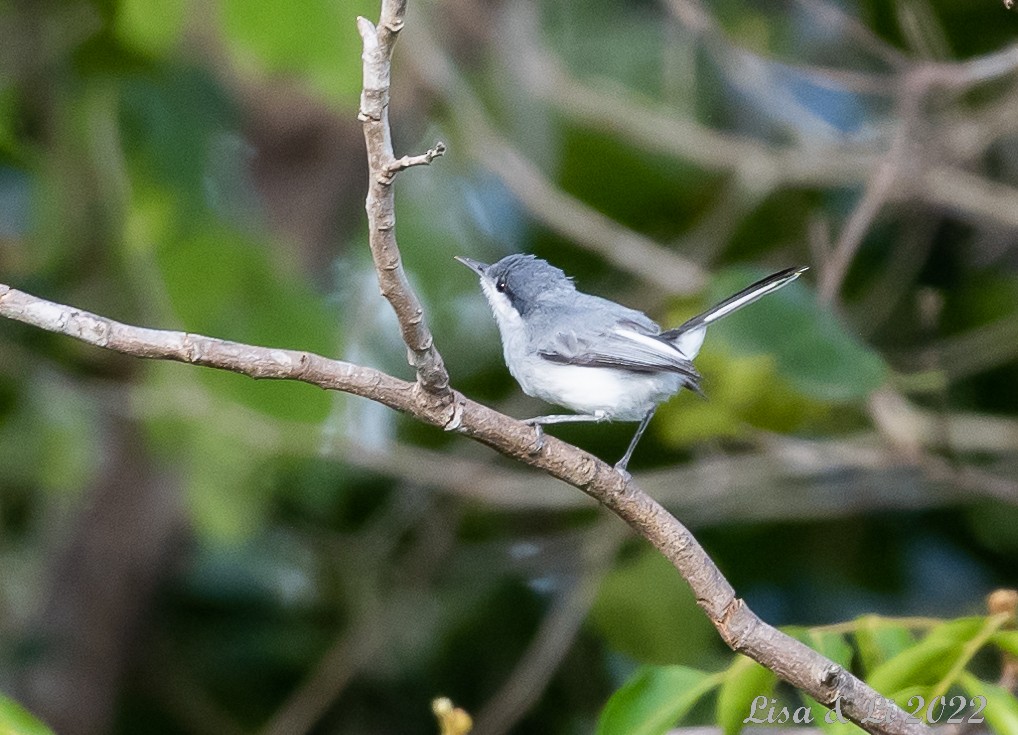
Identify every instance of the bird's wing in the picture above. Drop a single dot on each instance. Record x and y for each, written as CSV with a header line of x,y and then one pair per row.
x,y
625,346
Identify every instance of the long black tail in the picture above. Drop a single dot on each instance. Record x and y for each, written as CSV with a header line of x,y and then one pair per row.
x,y
733,303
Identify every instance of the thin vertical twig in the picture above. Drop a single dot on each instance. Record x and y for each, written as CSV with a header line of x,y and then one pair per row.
x,y
380,204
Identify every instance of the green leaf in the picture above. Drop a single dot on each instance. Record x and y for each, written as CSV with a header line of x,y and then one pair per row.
x,y
741,390
222,284
827,720
913,699
960,630
834,646
48,437
743,682
224,498
654,699
316,39
1001,711
879,640
641,610
16,720
828,643
814,351
171,117
150,26
1006,640
927,661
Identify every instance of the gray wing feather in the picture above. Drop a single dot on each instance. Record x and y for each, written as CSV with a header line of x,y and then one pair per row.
x,y
627,347
600,333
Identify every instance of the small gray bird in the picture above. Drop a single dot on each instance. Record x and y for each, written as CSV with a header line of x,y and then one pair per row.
x,y
593,356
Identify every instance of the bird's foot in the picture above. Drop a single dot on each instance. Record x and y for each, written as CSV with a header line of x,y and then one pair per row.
x,y
620,467
538,437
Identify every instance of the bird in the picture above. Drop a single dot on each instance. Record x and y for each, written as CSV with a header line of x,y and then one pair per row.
x,y
591,355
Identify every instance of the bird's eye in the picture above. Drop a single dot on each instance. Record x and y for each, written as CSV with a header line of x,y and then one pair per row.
x,y
500,285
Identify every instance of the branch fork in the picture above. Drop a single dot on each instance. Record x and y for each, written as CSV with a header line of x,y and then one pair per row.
x,y
399,164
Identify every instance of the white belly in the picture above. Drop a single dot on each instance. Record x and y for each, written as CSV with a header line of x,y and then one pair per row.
x,y
620,394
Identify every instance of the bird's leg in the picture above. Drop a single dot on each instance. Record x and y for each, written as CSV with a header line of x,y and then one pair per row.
x,y
622,463
538,423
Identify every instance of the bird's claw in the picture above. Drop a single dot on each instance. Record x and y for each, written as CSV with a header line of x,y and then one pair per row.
x,y
621,469
538,437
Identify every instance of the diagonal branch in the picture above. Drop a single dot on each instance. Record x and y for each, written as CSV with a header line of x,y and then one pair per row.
x,y
380,205
738,626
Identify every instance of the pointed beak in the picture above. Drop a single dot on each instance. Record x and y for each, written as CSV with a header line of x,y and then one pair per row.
x,y
475,265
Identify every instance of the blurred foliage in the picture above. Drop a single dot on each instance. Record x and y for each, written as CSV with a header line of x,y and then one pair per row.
x,y
15,720
183,550
812,351
636,611
928,678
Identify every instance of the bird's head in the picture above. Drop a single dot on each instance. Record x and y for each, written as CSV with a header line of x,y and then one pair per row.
x,y
516,283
